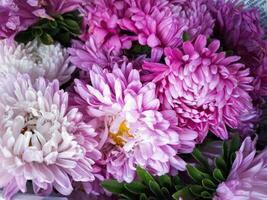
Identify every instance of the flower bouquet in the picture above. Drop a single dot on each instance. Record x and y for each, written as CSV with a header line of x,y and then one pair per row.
x,y
132,100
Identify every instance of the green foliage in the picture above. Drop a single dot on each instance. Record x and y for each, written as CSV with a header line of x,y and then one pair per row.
x,y
62,29
137,50
186,36
203,179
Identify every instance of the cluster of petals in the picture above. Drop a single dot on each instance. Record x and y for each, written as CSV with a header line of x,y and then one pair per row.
x,y
85,55
239,30
206,89
19,15
247,179
132,132
155,23
36,60
41,140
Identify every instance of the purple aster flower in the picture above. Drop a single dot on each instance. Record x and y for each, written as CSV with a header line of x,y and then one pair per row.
x,y
21,14
85,55
197,16
206,89
239,30
132,132
42,141
247,179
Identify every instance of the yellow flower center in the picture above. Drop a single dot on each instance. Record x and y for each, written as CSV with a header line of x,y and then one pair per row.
x,y
119,137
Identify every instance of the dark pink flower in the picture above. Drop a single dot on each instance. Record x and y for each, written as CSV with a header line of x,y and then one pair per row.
x,y
206,89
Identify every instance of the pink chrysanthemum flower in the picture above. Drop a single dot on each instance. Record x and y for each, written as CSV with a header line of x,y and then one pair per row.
x,y
206,89
101,19
197,16
239,30
131,129
247,179
41,140
155,23
15,18
85,55
19,15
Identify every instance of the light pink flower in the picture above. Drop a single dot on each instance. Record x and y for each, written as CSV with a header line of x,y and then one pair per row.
x,y
41,139
86,55
206,89
132,132
247,179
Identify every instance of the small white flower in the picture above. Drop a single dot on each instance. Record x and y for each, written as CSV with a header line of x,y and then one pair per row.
x,y
37,60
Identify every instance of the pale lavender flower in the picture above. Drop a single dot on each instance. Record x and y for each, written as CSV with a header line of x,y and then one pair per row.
x,y
42,140
36,60
19,15
85,55
238,28
247,179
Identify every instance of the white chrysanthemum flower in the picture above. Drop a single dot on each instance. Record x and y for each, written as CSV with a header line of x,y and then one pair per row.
x,y
36,59
42,140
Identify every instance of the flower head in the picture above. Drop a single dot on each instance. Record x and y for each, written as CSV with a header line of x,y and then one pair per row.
x,y
156,24
37,60
84,56
206,89
239,30
197,17
19,15
42,140
247,177
132,131
101,19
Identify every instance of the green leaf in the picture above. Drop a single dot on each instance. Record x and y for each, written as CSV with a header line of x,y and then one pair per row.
x,y
72,25
24,37
206,195
229,53
165,181
46,39
235,144
221,164
155,188
166,193
176,181
114,186
184,193
196,190
208,184
144,176
196,174
64,38
52,24
225,150
143,197
135,187
186,36
200,158
125,197
36,32
217,174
